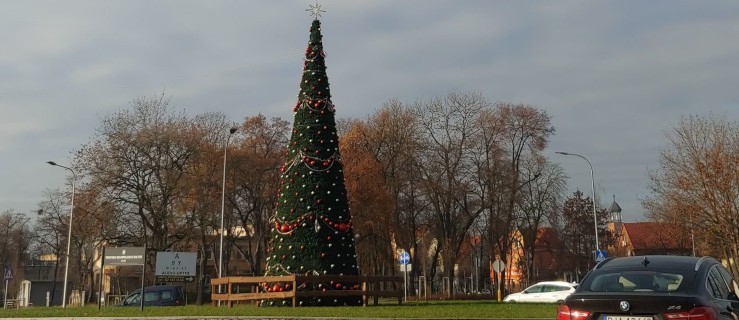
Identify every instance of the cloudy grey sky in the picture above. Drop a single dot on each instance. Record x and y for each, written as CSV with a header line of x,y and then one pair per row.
x,y
615,76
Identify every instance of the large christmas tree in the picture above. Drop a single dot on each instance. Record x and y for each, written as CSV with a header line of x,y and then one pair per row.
x,y
312,229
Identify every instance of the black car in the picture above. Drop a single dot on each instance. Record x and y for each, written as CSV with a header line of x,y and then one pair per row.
x,y
654,288
166,295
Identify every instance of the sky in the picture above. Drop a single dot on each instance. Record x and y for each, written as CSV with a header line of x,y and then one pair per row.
x,y
615,76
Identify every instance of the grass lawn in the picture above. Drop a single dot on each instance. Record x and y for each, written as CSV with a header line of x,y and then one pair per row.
x,y
422,310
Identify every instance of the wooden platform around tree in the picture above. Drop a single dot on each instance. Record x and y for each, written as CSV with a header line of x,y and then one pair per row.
x,y
247,289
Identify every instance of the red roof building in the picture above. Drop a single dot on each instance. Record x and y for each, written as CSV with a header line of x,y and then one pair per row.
x,y
642,238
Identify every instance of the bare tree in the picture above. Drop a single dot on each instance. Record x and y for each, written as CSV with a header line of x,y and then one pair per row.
x,y
513,134
697,184
448,126
541,200
254,178
51,228
370,202
140,158
392,136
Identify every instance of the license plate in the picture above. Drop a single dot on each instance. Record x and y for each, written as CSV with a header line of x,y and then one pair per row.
x,y
626,318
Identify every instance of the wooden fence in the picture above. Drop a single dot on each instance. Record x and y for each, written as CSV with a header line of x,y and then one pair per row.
x,y
244,289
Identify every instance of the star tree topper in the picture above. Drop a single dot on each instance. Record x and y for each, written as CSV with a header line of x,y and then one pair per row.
x,y
315,10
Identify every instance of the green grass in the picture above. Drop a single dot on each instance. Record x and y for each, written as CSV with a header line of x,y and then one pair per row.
x,y
421,310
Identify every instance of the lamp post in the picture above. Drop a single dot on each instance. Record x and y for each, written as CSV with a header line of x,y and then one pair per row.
x,y
69,234
592,180
223,202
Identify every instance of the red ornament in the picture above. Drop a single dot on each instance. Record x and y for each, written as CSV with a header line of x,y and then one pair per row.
x,y
276,287
284,228
338,286
287,287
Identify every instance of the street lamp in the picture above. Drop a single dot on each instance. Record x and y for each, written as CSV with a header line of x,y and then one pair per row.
x,y
69,234
592,180
223,201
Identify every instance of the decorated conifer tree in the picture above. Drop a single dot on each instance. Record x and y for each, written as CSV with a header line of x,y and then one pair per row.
x,y
312,228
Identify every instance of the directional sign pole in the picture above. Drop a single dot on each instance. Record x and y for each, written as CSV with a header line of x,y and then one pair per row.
x,y
405,258
100,284
7,274
5,303
143,278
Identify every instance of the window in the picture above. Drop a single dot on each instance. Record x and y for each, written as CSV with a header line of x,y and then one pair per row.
x,y
716,284
132,299
534,289
151,296
166,295
623,281
730,282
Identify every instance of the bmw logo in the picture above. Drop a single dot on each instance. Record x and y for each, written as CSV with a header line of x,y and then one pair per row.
x,y
624,305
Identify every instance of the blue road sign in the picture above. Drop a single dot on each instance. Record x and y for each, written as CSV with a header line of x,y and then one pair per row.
x,y
8,273
405,257
600,255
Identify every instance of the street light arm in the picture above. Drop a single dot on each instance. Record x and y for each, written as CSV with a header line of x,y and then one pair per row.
x,y
592,181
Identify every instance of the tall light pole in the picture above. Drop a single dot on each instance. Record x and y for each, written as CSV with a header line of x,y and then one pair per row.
x,y
592,180
69,234
223,201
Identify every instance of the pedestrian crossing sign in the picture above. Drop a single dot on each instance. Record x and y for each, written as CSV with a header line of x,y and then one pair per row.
x,y
600,255
8,273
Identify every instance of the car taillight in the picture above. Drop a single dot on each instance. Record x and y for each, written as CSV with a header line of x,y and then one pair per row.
x,y
697,313
565,313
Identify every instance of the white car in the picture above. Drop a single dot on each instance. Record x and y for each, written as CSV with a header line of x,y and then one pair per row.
x,y
543,292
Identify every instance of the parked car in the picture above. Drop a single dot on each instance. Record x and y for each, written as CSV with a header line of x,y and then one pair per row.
x,y
654,288
543,292
156,296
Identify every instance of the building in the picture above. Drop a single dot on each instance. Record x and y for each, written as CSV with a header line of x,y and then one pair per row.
x,y
551,260
643,238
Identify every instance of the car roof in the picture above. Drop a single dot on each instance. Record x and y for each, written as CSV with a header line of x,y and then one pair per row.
x,y
562,283
157,288
655,261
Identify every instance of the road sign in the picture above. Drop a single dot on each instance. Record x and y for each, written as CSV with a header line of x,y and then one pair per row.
x,y
8,273
600,255
176,266
405,257
498,265
406,267
124,256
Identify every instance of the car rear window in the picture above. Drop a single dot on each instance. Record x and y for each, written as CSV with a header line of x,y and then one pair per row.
x,y
637,280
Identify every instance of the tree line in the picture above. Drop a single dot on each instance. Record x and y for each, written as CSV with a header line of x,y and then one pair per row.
x,y
429,176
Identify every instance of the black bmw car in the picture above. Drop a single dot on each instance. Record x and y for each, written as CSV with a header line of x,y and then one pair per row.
x,y
654,288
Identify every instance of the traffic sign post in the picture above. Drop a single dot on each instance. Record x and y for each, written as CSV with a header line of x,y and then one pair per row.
x,y
8,273
498,266
404,259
